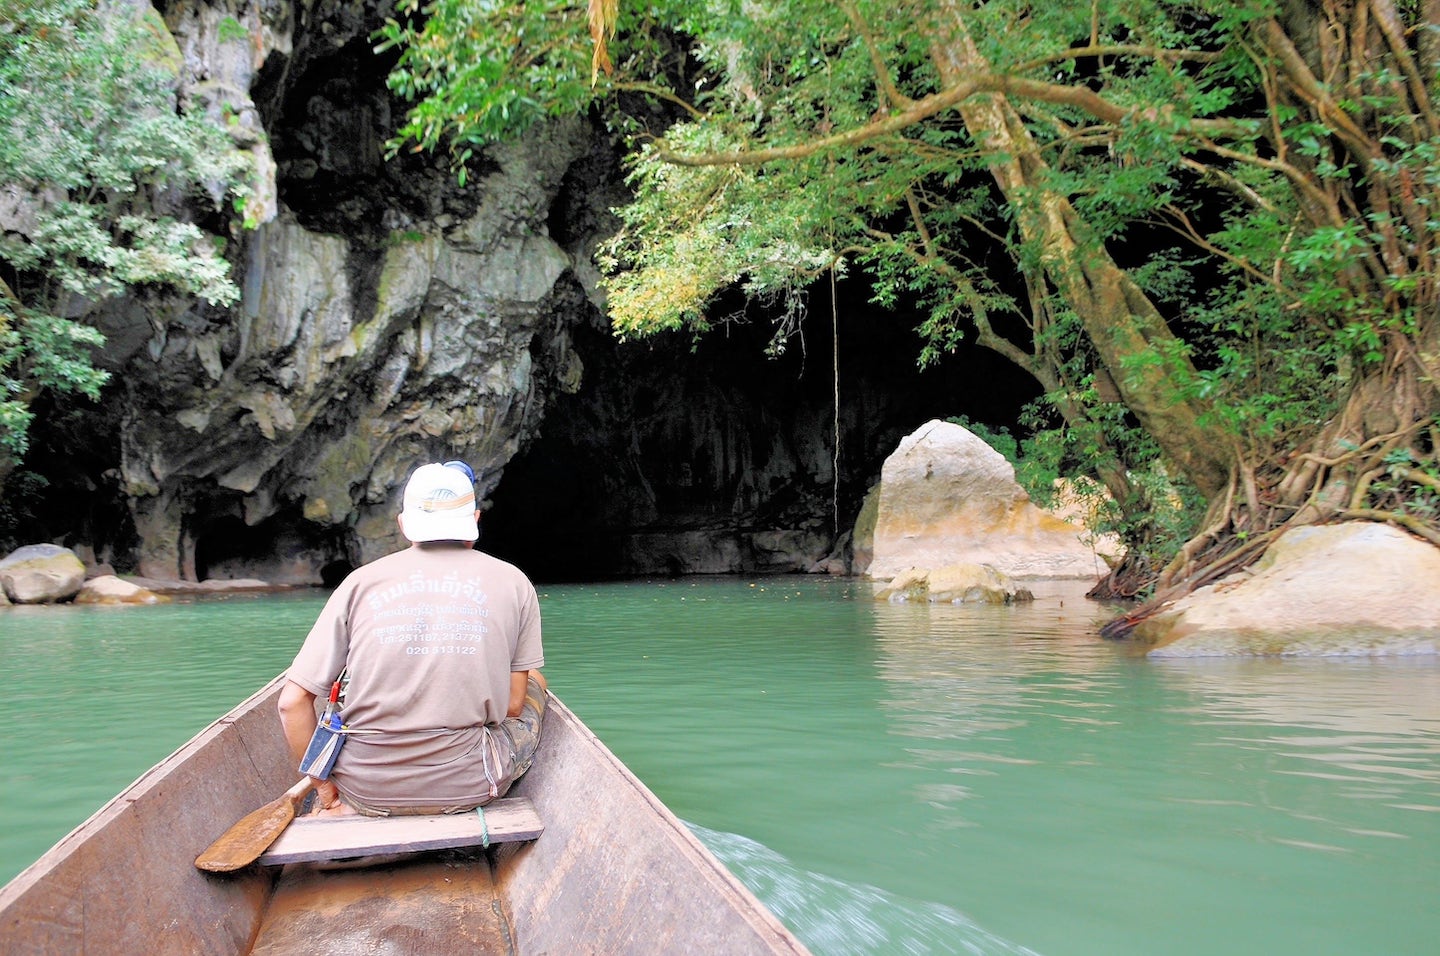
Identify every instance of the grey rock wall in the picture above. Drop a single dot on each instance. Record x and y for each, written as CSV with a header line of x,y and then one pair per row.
x,y
389,316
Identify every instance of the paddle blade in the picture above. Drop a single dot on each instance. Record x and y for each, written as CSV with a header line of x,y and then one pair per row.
x,y
243,843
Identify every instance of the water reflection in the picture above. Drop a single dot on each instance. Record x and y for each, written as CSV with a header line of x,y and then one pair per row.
x,y
984,676
1253,790
1369,726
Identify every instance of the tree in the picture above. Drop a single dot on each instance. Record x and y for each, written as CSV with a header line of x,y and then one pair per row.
x,y
97,166
1220,214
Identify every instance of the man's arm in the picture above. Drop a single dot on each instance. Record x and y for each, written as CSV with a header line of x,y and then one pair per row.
x,y
518,681
297,718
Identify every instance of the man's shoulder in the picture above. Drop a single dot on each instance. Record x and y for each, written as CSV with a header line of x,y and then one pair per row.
x,y
396,564
383,565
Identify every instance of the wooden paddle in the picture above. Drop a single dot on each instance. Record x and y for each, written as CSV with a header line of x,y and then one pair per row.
x,y
243,843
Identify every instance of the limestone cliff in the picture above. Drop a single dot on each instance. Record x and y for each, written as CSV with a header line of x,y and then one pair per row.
x,y
389,316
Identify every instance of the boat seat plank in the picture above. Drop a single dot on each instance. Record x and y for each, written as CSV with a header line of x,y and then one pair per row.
x,y
316,839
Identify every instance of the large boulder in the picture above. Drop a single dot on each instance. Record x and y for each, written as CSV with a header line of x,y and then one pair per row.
x,y
41,574
1350,589
947,498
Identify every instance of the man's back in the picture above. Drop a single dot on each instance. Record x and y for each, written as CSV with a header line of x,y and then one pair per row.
x,y
429,637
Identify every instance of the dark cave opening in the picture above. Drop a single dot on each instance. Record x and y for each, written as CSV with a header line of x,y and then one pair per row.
x,y
282,550
682,455
228,542
333,573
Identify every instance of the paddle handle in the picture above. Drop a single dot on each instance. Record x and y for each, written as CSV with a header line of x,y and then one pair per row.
x,y
297,793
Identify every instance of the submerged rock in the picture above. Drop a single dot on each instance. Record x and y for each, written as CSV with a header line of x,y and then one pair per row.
x,y
954,584
1350,589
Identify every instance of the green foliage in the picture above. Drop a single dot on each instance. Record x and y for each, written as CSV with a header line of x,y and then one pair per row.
x,y
404,237
95,159
41,351
1283,224
231,30
480,71
1410,484
1159,511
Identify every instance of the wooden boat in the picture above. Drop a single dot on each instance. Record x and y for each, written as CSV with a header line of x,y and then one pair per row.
x,y
614,871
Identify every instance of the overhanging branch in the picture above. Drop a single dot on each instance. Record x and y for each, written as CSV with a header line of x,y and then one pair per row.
x,y
938,102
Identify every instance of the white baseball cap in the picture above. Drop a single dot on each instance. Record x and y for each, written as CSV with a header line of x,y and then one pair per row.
x,y
439,505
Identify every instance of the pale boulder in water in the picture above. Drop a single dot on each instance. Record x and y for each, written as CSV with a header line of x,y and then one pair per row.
x,y
1350,589
41,574
947,498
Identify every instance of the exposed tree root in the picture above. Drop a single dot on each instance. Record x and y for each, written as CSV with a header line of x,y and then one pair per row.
x,y
1383,479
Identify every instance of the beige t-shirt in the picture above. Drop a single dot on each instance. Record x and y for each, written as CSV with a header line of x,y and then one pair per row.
x,y
430,635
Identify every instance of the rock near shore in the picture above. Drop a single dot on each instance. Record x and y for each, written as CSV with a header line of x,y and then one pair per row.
x,y
1351,589
109,589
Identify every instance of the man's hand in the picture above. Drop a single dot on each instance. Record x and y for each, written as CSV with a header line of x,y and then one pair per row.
x,y
328,802
326,795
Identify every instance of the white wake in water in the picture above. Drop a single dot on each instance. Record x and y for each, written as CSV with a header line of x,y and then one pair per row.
x,y
835,918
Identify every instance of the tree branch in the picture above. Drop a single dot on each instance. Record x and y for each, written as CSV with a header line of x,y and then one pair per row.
x,y
1186,228
659,92
9,293
1274,38
1231,183
1391,28
1118,49
938,102
922,109
883,81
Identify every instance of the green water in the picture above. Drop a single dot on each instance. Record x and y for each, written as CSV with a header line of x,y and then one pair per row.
x,y
888,778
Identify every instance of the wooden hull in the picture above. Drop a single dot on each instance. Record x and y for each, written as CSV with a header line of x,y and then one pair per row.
x,y
614,872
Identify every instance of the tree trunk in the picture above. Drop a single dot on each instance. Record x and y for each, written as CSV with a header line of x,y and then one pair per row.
x,y
1377,458
1132,339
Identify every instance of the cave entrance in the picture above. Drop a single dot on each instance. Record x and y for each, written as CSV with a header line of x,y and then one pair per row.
x,y
281,550
333,573
683,456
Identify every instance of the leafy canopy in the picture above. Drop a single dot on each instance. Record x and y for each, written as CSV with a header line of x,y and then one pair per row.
x,y
1280,214
97,166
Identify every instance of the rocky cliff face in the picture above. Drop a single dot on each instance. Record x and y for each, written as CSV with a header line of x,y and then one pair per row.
x,y
390,316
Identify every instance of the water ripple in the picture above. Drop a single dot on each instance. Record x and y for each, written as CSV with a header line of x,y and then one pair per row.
x,y
835,918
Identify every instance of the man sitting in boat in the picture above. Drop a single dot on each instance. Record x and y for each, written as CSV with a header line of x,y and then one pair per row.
x,y
439,645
